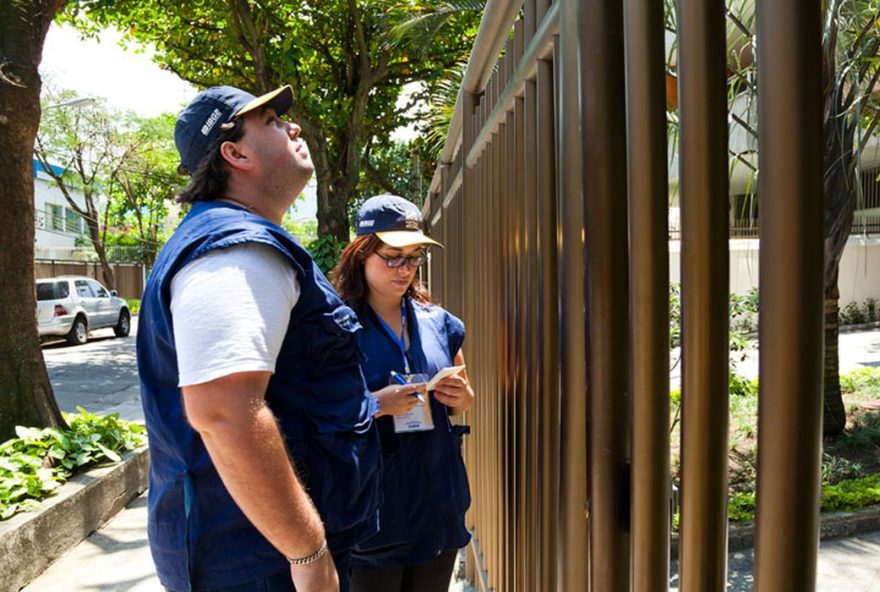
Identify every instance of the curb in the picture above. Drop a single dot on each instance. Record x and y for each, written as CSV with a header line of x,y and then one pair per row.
x,y
860,327
831,525
31,541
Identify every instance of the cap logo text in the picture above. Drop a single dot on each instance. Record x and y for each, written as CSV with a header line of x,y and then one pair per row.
x,y
212,119
367,223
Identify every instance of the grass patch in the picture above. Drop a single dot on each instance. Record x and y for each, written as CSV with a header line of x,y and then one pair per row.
x,y
39,460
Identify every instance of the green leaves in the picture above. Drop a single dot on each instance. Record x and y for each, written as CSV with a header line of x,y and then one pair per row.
x,y
325,251
851,494
346,69
38,461
844,496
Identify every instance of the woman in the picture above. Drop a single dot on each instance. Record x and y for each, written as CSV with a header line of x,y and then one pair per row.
x,y
407,338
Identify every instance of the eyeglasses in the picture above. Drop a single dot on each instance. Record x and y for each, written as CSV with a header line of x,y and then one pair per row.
x,y
395,262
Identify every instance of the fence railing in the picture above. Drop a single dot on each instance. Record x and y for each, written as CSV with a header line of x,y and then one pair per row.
x,y
551,199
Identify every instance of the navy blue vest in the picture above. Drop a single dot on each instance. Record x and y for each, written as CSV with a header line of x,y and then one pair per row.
x,y
424,480
198,536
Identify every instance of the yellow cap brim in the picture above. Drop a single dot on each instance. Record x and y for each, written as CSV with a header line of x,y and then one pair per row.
x,y
280,100
406,238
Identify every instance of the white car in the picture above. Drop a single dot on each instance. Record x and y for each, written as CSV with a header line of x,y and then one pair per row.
x,y
71,306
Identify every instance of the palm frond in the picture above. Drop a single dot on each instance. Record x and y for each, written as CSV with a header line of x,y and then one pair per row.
x,y
429,18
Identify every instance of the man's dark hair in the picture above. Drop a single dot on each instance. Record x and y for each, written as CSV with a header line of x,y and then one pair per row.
x,y
209,180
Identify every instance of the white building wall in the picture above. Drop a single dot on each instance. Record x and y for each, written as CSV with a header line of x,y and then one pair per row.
x,y
52,242
859,267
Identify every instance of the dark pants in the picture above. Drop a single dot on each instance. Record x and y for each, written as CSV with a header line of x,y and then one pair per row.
x,y
281,581
430,576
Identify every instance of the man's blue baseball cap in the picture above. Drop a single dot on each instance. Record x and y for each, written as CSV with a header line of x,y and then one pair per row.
x,y
396,221
201,122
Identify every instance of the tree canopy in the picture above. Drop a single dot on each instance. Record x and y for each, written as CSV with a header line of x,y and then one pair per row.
x,y
115,173
346,67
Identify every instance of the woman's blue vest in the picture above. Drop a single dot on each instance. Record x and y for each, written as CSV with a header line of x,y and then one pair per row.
x,y
424,480
198,536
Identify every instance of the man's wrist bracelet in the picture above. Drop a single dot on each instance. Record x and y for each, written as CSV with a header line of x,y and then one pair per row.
x,y
309,558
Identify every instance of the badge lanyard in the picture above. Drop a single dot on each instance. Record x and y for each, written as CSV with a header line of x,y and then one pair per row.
x,y
400,340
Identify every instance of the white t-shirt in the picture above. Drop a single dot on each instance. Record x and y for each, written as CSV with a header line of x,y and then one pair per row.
x,y
230,310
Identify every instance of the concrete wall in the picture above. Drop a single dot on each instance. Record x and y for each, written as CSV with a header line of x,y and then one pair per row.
x,y
859,267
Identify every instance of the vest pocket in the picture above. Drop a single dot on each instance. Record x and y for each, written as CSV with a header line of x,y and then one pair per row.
x,y
343,478
334,344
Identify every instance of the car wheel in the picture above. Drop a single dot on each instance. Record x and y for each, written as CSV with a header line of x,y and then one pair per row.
x,y
79,333
123,325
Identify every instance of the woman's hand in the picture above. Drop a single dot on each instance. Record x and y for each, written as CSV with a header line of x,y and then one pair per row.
x,y
455,391
397,399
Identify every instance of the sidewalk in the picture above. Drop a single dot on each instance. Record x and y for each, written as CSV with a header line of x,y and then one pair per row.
x,y
116,558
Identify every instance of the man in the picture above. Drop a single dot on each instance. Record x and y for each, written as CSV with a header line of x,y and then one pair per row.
x,y
245,352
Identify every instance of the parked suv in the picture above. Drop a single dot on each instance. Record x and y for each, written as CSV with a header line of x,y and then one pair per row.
x,y
71,306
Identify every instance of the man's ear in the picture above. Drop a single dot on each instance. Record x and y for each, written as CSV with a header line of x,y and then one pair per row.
x,y
233,155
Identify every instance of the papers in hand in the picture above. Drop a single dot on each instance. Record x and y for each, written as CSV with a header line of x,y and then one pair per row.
x,y
432,384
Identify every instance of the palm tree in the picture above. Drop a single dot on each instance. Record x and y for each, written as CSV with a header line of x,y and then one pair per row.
x,y
850,73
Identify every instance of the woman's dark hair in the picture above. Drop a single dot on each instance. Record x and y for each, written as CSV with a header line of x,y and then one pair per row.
x,y
210,178
350,281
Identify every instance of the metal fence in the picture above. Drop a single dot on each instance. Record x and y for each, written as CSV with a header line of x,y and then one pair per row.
x,y
551,199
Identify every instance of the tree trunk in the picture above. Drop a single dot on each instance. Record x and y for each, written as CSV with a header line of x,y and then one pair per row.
x,y
332,200
835,412
839,194
26,396
108,277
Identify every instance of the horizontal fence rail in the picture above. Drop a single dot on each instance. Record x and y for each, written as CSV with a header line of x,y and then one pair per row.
x,y
551,196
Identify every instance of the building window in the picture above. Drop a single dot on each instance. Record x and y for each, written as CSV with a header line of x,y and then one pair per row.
x,y
55,215
73,222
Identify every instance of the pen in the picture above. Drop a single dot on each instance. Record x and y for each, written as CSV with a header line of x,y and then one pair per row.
x,y
401,380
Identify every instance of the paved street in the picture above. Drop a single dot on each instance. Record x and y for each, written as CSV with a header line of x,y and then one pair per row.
x,y
100,376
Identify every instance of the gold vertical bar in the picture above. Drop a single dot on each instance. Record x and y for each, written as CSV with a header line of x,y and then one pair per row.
x,y
649,280
547,254
704,294
791,320
574,544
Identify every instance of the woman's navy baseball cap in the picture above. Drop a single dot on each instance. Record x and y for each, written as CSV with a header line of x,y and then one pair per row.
x,y
201,122
396,221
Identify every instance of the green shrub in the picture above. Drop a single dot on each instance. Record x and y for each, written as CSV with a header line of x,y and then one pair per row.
x,y
864,435
325,251
134,304
742,387
852,314
741,507
871,310
845,496
851,494
865,381
38,461
836,469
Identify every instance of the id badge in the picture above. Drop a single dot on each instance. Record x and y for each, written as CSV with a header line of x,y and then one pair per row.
x,y
417,419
